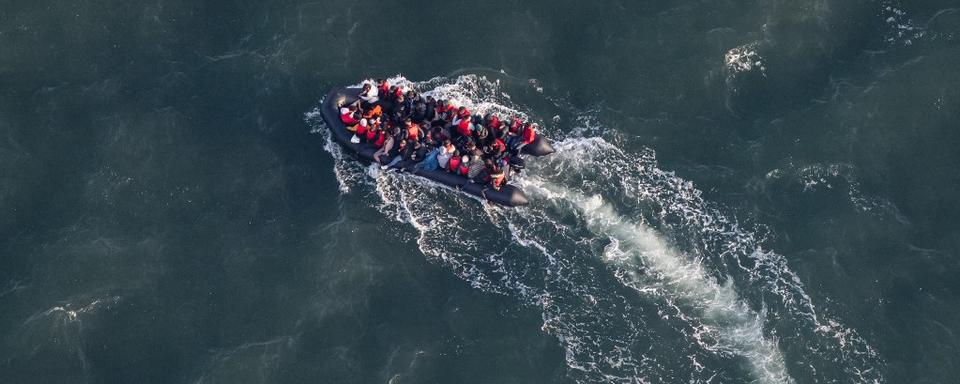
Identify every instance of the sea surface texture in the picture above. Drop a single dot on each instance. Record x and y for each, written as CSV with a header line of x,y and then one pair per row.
x,y
743,192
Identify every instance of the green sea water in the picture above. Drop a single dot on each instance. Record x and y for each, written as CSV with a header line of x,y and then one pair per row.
x,y
745,192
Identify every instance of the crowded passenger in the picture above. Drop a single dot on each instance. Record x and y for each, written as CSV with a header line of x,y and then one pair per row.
x,y
435,134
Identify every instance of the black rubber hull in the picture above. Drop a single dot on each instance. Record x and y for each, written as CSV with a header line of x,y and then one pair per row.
x,y
508,195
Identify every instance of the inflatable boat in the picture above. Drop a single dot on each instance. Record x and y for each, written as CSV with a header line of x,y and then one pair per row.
x,y
508,195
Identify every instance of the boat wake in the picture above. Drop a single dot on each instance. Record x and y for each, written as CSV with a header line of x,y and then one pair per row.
x,y
628,265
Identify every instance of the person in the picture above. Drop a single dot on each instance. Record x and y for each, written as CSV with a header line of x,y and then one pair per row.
x,y
462,114
430,162
401,152
348,116
412,130
497,178
446,110
419,112
446,153
475,167
453,166
430,112
493,124
386,147
464,168
368,96
463,128
382,86
527,136
361,131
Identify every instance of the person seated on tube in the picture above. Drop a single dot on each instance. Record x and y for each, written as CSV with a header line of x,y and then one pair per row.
x,y
475,167
449,111
368,96
350,117
362,129
430,114
462,114
440,111
527,135
381,138
390,148
396,154
453,166
382,86
429,162
447,151
463,169
419,113
462,130
492,122
387,150
497,177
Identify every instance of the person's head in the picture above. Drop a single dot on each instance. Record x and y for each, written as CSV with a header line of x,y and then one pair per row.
x,y
366,86
344,110
381,81
403,143
400,99
464,160
407,121
430,99
462,109
363,122
447,143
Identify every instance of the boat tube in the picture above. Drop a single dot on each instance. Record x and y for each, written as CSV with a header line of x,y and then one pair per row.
x,y
508,195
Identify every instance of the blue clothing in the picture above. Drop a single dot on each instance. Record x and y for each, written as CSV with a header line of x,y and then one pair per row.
x,y
430,163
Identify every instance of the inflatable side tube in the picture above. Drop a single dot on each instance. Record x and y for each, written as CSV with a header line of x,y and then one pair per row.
x,y
508,195
539,147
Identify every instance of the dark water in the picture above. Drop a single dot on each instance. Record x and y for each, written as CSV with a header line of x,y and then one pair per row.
x,y
746,192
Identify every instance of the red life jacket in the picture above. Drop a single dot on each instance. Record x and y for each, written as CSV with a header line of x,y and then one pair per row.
x,y
454,164
348,119
496,178
528,135
515,125
464,168
464,127
361,130
499,145
370,134
384,88
381,137
495,123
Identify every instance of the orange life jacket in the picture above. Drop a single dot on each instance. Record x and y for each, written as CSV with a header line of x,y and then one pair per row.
x,y
373,112
413,132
